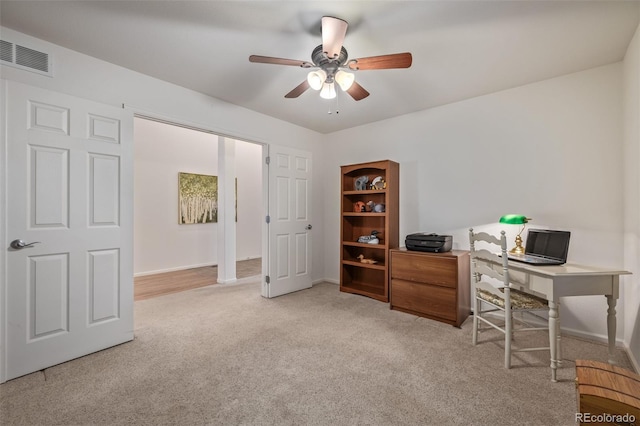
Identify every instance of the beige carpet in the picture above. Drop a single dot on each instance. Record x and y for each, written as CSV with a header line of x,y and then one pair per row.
x,y
223,355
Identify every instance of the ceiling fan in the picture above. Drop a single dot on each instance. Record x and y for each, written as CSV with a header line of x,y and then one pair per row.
x,y
331,60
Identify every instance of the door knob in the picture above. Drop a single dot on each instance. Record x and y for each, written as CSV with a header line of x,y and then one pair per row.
x,y
19,244
308,227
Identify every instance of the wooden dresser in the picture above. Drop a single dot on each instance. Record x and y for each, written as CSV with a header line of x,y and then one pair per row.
x,y
431,285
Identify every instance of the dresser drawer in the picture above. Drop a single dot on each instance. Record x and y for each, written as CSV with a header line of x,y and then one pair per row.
x,y
438,270
424,298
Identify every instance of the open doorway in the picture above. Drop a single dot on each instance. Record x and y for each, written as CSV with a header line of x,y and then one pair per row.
x,y
169,255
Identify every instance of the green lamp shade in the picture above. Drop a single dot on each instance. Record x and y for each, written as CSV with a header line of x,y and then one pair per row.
x,y
514,219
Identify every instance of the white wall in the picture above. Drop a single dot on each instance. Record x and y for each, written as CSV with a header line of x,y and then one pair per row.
x,y
160,243
250,213
551,150
81,75
631,288
161,152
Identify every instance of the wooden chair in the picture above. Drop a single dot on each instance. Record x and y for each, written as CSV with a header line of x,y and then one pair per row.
x,y
498,298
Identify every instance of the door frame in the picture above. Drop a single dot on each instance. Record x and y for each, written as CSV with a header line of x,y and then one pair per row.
x,y
3,232
172,121
264,286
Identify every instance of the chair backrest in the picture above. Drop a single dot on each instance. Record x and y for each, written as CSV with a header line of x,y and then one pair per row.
x,y
486,261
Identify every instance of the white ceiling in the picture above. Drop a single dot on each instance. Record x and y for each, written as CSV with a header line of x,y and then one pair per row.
x,y
461,49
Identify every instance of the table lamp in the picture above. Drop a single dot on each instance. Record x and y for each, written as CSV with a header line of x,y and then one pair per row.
x,y
516,219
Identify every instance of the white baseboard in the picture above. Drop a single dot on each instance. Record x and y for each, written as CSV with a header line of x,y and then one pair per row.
x,y
179,268
585,335
182,268
325,280
634,362
600,338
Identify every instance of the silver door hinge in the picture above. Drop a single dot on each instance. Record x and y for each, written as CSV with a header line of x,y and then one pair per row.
x,y
268,218
267,279
268,160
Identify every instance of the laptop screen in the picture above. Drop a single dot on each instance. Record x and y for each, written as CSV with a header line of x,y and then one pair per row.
x,y
548,243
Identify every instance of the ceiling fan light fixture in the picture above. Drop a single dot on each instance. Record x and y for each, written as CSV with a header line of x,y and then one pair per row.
x,y
330,58
345,79
328,91
316,79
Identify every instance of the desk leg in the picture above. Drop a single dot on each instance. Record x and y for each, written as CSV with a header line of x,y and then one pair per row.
x,y
553,338
611,327
558,338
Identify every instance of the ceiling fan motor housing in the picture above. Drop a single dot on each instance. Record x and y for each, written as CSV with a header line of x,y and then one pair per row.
x,y
329,65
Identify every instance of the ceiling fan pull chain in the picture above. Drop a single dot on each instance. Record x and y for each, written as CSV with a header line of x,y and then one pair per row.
x,y
337,105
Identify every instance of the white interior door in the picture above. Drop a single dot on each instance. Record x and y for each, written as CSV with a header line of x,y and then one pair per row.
x,y
70,189
289,234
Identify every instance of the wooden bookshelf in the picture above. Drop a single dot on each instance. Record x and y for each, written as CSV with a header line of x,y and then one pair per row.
x,y
367,279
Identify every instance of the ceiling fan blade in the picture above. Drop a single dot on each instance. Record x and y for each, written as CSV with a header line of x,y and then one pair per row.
x,y
279,61
357,92
299,90
395,60
333,32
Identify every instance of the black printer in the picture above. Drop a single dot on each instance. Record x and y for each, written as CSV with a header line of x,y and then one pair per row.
x,y
422,241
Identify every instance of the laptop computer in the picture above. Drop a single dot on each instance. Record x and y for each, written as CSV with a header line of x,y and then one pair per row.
x,y
544,247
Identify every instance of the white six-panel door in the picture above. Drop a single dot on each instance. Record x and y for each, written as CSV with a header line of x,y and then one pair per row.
x,y
290,214
69,192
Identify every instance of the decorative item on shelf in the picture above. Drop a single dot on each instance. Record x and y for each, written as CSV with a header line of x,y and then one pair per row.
x,y
516,219
359,207
360,183
365,260
379,208
379,183
369,206
369,239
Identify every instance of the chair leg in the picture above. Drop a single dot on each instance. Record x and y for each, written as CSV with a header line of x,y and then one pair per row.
x,y
508,336
476,322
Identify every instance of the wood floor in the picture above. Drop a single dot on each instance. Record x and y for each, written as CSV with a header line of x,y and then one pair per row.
x,y
149,286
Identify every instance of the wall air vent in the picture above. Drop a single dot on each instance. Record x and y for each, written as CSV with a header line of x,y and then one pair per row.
x,y
6,51
25,58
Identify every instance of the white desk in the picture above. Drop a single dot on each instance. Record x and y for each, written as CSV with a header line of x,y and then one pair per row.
x,y
554,282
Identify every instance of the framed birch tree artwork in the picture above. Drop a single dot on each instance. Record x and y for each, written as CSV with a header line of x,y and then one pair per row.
x,y
198,198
